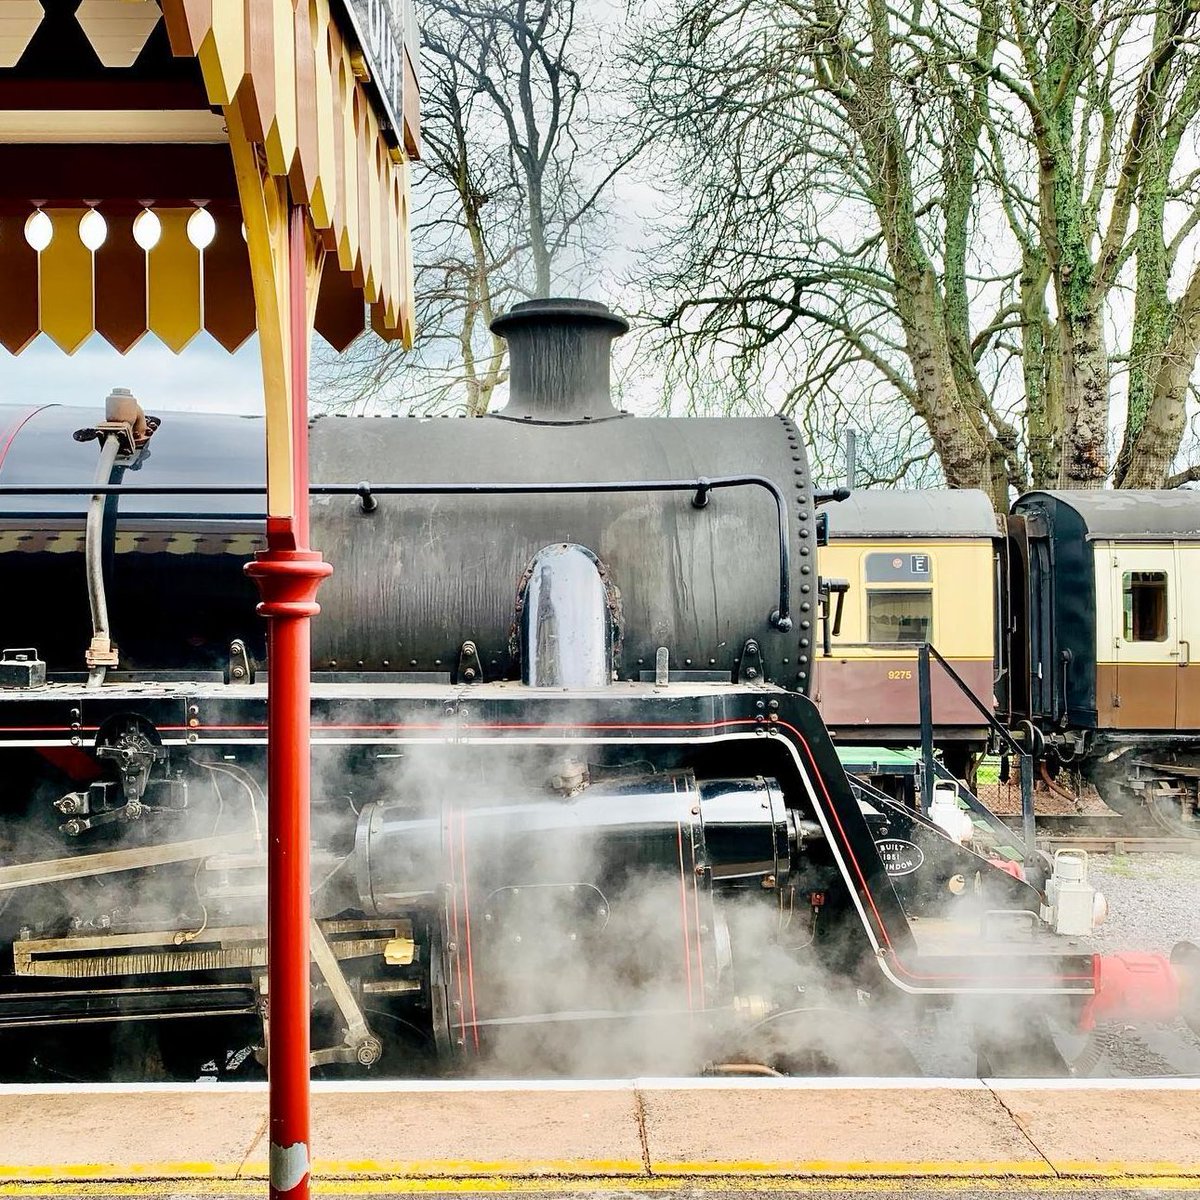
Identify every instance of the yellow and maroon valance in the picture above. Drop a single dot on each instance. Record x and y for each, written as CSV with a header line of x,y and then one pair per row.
x,y
128,129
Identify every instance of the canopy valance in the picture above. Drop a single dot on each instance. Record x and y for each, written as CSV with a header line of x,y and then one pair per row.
x,y
194,111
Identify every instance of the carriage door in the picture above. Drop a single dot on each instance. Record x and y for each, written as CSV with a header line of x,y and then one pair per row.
x,y
1187,685
1146,635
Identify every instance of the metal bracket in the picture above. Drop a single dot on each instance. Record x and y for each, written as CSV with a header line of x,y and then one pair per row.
x,y
362,1046
135,755
470,668
102,652
662,666
750,665
123,431
241,668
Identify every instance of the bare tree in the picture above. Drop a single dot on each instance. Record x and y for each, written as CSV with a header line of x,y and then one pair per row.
x,y
950,201
515,169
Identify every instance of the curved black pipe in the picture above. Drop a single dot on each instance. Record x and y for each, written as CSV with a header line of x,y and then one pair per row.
x,y
780,618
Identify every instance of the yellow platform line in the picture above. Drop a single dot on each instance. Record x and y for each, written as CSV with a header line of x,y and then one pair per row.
x,y
867,1168
142,1189
365,1175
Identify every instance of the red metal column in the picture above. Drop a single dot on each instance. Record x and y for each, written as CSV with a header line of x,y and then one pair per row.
x,y
288,575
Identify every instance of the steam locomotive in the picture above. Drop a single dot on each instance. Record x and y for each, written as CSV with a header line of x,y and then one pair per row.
x,y
573,808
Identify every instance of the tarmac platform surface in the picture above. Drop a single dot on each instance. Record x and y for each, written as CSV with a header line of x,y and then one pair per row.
x,y
677,1137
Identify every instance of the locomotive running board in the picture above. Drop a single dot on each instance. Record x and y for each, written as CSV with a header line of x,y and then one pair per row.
x,y
83,866
161,952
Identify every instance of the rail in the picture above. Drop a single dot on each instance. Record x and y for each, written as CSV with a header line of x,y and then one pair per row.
x,y
925,654
780,618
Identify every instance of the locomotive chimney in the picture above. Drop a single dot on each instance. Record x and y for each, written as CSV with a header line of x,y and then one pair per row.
x,y
558,353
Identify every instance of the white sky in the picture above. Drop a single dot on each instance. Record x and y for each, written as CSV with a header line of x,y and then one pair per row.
x,y
203,378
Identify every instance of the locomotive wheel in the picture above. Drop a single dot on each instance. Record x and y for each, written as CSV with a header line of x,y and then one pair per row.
x,y
1156,806
1109,780
827,1041
1119,798
1163,805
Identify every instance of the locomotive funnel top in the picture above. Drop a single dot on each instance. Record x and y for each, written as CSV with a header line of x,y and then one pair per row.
x,y
559,354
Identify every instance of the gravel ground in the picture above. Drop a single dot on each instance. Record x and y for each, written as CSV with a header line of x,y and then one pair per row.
x,y
1005,799
1153,902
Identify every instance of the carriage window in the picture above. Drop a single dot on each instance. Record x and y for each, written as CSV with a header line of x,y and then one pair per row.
x,y
1145,604
899,616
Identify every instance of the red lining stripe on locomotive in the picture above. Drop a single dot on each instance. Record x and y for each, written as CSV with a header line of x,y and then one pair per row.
x,y
683,915
462,855
696,903
672,726
456,971
10,434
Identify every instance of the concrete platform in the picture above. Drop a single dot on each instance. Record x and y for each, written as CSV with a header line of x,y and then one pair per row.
x,y
637,1135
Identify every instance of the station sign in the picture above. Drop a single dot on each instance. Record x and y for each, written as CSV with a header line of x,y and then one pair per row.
x,y
386,31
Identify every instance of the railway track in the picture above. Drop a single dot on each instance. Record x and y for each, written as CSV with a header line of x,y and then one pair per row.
x,y
1105,835
1122,844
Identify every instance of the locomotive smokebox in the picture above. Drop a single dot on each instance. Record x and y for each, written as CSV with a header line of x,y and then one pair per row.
x,y
559,353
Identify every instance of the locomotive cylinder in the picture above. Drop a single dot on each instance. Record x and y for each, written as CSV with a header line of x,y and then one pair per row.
x,y
730,832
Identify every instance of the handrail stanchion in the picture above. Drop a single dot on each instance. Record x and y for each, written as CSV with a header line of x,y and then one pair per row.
x,y
1028,823
925,653
925,699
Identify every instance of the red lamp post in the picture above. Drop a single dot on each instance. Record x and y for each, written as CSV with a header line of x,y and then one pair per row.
x,y
288,575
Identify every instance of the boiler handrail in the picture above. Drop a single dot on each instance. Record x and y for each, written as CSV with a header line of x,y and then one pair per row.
x,y
780,618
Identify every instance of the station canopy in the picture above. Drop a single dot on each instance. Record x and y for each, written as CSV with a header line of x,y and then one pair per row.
x,y
150,154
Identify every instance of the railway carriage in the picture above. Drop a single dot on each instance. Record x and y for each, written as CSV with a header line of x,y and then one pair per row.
x,y
917,566
1074,619
1106,611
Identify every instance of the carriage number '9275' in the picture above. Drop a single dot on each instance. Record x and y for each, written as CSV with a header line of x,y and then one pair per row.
x,y
899,674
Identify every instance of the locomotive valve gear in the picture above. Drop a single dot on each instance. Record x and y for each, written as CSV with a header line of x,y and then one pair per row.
x,y
134,755
361,1045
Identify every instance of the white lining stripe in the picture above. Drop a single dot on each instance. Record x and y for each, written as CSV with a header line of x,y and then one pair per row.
x,y
401,1087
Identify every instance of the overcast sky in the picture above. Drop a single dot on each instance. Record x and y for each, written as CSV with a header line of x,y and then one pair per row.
x,y
205,377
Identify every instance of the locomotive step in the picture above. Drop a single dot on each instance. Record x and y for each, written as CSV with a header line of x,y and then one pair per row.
x,y
508,1136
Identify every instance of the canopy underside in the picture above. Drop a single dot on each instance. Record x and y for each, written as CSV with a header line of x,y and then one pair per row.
x,y
125,106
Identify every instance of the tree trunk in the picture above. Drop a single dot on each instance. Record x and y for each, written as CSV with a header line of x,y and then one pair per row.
x,y
1043,413
1083,462
1155,447
964,454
